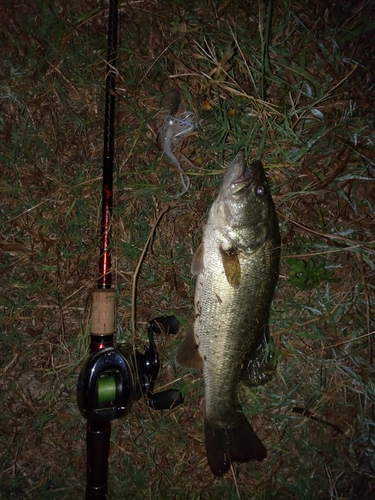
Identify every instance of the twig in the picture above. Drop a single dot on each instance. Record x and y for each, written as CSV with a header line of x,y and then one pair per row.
x,y
349,241
235,482
368,308
308,414
343,342
338,170
138,268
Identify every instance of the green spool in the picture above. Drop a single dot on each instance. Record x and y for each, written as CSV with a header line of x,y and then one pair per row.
x,y
106,389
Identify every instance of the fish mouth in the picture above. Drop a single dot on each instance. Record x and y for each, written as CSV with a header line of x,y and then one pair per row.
x,y
240,178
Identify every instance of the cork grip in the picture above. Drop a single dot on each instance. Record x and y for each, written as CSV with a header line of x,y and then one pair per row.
x,y
103,312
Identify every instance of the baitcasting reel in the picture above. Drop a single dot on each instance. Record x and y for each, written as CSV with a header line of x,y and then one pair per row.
x,y
112,379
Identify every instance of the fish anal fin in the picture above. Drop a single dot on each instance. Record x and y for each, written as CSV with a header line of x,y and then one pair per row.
x,y
232,266
260,365
197,264
188,355
231,444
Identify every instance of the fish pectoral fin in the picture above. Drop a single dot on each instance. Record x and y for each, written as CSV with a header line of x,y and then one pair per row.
x,y
188,355
260,364
232,266
197,264
235,443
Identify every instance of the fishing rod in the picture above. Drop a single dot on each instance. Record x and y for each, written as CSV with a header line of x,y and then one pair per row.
x,y
112,378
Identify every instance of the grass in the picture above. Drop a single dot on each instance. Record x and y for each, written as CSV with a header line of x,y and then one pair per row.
x,y
292,84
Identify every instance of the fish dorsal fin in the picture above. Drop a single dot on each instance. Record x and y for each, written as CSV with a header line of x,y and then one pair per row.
x,y
232,266
188,355
197,264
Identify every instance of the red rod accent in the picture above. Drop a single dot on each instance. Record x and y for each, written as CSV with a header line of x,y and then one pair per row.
x,y
105,272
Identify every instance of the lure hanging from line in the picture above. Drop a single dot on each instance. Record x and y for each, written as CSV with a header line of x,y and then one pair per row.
x,y
175,128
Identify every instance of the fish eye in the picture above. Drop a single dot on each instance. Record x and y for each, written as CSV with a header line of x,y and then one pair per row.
x,y
261,190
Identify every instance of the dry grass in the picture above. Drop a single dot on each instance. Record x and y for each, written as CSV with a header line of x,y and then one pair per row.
x,y
293,86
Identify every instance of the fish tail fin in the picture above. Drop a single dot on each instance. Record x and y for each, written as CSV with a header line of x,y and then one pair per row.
x,y
237,443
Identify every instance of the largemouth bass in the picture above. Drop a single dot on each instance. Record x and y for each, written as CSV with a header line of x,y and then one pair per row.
x,y
237,268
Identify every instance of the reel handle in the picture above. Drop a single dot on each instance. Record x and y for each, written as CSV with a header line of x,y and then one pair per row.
x,y
165,400
165,324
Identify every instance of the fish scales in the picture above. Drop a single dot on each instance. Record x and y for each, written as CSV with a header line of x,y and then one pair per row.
x,y
232,321
237,268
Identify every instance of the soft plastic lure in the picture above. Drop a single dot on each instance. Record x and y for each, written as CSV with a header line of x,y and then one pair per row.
x,y
174,129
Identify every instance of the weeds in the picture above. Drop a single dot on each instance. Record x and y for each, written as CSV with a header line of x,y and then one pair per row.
x,y
307,275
